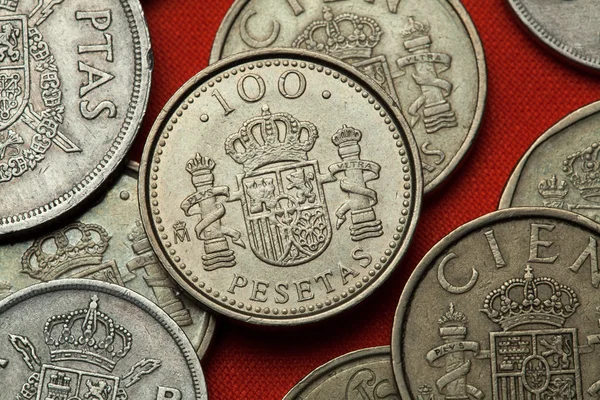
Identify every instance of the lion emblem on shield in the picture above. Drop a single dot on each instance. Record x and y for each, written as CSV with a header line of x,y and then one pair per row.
x,y
9,42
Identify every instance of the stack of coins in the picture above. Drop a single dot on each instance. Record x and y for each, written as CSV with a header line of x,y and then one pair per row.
x,y
278,189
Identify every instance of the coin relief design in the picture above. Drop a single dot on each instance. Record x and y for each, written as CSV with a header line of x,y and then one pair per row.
x,y
562,168
108,243
285,211
64,74
504,308
361,375
90,341
566,27
425,54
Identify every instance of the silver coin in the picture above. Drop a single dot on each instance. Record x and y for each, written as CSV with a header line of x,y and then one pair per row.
x,y
90,340
426,54
75,78
505,307
561,169
361,375
567,27
280,188
107,243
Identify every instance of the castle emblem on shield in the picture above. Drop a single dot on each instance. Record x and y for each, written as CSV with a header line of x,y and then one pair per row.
x,y
535,356
93,340
282,194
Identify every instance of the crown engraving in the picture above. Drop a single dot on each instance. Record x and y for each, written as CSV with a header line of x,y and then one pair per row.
x,y
530,300
71,248
271,138
415,29
553,188
583,170
10,5
87,335
343,36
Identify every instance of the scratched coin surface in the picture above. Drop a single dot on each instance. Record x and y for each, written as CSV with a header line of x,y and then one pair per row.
x,y
80,339
505,307
280,188
107,243
426,54
361,375
74,83
562,168
567,27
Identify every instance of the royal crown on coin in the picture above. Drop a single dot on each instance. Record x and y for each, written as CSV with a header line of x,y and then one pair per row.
x,y
10,5
271,138
87,335
553,188
343,36
530,300
75,246
415,29
583,170
346,135
199,165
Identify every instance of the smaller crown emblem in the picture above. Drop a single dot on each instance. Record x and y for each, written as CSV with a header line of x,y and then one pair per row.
x,y
530,300
346,135
343,36
200,165
453,317
10,5
179,226
75,246
553,189
137,233
415,29
271,138
88,336
583,170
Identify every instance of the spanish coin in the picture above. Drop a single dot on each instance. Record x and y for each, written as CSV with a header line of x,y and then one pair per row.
x,y
107,243
280,188
360,375
562,168
569,28
505,307
81,339
426,54
75,77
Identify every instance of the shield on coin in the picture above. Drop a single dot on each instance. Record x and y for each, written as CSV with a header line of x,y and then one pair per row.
x,y
66,383
286,213
14,69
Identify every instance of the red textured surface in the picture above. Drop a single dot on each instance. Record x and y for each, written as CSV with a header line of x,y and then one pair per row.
x,y
529,90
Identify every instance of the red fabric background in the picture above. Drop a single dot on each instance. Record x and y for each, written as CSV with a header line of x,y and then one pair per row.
x,y
529,90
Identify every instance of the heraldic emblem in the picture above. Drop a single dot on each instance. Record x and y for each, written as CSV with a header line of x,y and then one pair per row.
x,y
93,340
282,193
534,357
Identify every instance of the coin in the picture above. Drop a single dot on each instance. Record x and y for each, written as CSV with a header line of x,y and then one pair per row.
x,y
504,307
426,54
280,188
83,339
561,168
107,243
76,76
361,375
567,27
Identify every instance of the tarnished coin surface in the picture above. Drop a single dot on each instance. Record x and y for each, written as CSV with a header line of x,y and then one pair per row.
x,y
361,375
426,54
505,307
107,243
280,188
81,339
567,27
75,78
562,168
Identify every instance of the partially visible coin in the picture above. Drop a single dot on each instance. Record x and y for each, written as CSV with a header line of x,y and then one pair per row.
x,y
81,339
280,188
426,54
567,27
107,243
75,82
505,307
361,375
562,168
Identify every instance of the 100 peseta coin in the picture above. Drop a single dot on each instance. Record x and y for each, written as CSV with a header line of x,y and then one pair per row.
x,y
426,54
75,80
84,339
505,307
280,188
